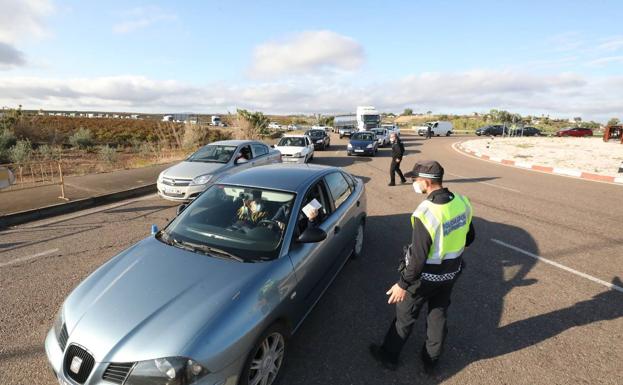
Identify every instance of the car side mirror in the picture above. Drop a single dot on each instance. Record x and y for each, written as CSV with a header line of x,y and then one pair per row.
x,y
181,208
312,235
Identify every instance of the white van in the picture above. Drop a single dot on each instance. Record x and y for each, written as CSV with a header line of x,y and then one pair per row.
x,y
438,128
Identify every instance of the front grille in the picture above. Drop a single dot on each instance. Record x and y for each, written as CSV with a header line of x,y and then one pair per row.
x,y
62,337
176,182
85,367
117,372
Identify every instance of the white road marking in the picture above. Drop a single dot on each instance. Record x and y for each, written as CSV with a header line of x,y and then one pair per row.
x,y
486,183
83,213
558,265
28,258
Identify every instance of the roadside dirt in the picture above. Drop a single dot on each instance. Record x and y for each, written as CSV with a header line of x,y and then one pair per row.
x,y
585,154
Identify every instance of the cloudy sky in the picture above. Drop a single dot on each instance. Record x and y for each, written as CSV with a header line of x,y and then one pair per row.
x,y
562,58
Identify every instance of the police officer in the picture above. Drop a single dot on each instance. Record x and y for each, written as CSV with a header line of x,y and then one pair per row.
x,y
442,228
397,153
429,131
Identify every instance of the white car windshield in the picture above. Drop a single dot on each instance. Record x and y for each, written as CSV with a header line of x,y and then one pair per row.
x,y
292,142
245,223
213,154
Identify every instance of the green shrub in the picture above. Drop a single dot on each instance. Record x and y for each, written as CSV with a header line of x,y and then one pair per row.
x,y
21,153
107,154
7,139
82,139
48,152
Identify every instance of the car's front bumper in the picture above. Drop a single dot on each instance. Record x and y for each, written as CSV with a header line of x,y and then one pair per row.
x,y
179,193
359,151
226,376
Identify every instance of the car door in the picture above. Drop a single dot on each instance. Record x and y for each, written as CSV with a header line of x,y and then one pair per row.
x,y
309,145
260,154
313,263
343,206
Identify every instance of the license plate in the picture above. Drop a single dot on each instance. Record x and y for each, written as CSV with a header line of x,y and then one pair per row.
x,y
169,190
358,150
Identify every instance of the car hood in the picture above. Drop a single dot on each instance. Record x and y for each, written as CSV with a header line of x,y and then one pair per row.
x,y
151,300
360,143
289,150
189,170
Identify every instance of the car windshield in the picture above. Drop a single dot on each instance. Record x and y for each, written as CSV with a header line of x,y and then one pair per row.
x,y
315,133
292,142
363,136
237,222
378,132
371,118
213,153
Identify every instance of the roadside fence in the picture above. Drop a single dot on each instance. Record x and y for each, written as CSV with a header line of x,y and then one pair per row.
x,y
35,174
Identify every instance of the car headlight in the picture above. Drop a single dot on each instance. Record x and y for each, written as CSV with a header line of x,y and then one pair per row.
x,y
370,145
166,371
297,155
201,180
160,176
349,145
319,141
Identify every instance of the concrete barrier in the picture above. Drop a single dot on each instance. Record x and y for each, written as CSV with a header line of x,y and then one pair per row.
x,y
68,207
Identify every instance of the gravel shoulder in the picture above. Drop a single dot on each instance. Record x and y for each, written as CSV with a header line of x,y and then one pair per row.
x,y
584,154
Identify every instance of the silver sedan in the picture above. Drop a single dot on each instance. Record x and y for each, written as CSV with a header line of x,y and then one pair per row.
x,y
214,297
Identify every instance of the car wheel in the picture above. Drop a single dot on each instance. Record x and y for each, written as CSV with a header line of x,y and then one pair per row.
x,y
263,366
358,246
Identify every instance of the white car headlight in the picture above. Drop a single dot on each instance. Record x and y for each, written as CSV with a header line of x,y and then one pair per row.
x,y
349,145
166,371
370,145
201,180
319,141
297,155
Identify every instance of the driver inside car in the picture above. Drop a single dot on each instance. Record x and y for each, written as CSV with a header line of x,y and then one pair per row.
x,y
252,210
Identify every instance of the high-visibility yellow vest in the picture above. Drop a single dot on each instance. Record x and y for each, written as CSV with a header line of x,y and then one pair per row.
x,y
447,226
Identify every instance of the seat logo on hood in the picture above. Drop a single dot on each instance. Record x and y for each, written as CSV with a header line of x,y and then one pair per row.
x,y
76,363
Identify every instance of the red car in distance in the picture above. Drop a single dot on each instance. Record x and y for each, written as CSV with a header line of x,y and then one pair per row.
x,y
575,131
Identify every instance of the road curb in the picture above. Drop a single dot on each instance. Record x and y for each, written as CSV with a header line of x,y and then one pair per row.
x,y
579,174
80,204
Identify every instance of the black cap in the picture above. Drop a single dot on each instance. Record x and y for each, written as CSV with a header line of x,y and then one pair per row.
x,y
428,169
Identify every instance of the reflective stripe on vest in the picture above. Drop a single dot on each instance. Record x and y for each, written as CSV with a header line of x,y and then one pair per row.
x,y
447,226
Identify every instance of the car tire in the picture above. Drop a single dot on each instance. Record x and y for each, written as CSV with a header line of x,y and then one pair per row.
x,y
274,342
358,243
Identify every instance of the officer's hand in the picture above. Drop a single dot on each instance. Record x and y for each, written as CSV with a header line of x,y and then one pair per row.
x,y
397,160
396,294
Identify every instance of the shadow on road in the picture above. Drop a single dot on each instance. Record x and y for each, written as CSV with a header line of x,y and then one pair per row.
x,y
331,347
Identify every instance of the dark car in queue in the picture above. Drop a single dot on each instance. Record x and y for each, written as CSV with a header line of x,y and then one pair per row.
x,y
525,131
492,130
362,143
320,138
575,131
214,297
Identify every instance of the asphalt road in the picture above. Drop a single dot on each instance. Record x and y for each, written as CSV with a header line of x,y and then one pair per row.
x,y
514,319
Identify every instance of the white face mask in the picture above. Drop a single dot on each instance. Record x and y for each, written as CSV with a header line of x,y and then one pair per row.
x,y
417,188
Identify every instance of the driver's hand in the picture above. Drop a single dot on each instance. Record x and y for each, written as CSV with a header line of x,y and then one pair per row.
x,y
313,214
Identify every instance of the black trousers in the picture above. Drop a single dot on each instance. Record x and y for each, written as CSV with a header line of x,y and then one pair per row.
x,y
437,296
429,133
393,169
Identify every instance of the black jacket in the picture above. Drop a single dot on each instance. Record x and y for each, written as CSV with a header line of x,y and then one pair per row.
x,y
397,151
421,243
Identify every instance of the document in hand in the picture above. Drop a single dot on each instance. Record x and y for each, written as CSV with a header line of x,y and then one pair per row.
x,y
313,205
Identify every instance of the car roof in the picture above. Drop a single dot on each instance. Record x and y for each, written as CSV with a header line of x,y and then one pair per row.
x,y
286,177
233,142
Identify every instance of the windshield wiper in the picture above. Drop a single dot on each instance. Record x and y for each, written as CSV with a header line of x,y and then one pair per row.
x,y
205,249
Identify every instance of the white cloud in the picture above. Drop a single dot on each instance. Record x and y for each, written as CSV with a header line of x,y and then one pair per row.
x,y
462,92
142,17
306,53
23,19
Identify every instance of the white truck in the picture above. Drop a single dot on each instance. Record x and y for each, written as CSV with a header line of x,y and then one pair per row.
x,y
437,128
215,120
367,118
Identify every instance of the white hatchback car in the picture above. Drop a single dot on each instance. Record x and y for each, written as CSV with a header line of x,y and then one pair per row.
x,y
295,148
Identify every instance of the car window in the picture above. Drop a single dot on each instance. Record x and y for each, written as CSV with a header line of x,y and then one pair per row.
x,y
317,192
260,149
338,187
350,180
